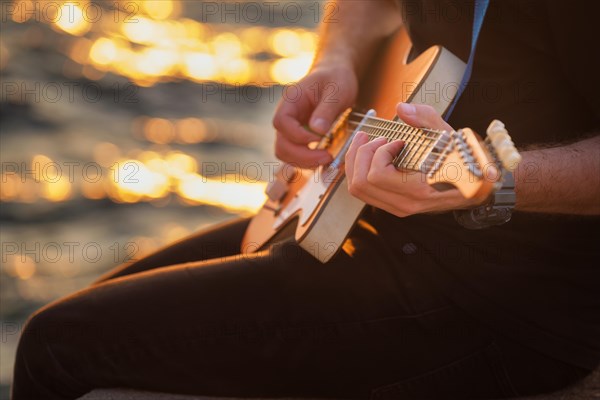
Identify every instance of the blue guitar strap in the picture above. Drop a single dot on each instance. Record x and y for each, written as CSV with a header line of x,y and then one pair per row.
x,y
481,7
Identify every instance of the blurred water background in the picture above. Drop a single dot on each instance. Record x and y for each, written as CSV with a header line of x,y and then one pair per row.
x,y
127,125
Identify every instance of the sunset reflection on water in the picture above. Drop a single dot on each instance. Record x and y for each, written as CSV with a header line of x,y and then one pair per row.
x,y
150,42
87,183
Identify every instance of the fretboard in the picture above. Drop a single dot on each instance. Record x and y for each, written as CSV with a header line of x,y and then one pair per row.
x,y
421,146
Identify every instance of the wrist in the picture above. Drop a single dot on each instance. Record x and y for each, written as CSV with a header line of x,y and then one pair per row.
x,y
335,59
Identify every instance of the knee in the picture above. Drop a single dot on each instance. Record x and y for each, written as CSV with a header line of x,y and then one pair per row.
x,y
41,330
41,362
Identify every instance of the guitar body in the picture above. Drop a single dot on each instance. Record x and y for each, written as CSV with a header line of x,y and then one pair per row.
x,y
317,209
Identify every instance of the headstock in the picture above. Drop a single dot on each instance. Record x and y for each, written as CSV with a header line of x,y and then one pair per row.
x,y
473,166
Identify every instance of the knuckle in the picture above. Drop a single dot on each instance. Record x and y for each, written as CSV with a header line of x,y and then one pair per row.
x,y
421,193
363,150
281,152
410,208
277,122
374,177
360,184
353,190
347,156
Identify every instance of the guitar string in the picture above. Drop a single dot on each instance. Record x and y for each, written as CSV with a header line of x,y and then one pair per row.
x,y
407,135
402,124
419,141
423,144
399,124
408,151
403,130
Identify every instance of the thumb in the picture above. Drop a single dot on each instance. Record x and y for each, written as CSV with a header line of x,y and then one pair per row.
x,y
323,116
421,116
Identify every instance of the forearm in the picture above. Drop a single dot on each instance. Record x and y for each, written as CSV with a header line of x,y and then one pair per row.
x,y
353,33
560,180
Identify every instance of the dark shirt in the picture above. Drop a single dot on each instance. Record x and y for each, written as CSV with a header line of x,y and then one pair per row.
x,y
536,278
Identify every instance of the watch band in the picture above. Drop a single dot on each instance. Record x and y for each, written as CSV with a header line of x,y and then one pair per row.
x,y
497,211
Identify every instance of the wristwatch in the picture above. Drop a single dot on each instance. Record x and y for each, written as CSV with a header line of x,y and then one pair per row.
x,y
496,211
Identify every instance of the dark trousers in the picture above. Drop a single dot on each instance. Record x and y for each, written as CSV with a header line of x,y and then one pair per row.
x,y
197,317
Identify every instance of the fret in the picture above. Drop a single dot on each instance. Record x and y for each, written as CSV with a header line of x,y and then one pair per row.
x,y
410,164
381,132
419,144
406,160
421,156
402,135
391,130
386,127
407,151
425,152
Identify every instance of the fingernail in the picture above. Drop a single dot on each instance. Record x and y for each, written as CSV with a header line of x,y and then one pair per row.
x,y
319,125
359,135
407,109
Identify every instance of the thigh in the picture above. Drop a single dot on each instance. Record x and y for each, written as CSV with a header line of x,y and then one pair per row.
x,y
218,241
274,323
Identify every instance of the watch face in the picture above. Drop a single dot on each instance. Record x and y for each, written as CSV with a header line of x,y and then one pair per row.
x,y
483,217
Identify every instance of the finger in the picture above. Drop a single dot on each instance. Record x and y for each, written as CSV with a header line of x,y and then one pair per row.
x,y
298,154
384,199
363,159
385,155
421,116
287,121
324,115
360,138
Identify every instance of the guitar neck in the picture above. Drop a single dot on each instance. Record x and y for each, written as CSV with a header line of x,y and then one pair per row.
x,y
422,147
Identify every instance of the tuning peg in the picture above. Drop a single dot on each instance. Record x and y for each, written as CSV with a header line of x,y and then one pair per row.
x,y
503,145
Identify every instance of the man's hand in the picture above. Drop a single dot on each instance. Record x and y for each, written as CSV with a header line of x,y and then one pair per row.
x,y
374,179
347,44
323,94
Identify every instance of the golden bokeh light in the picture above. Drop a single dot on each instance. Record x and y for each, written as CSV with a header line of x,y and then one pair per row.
x,y
236,72
158,9
158,44
156,62
71,19
20,15
9,187
144,31
93,190
180,164
57,190
286,42
191,130
103,51
286,70
135,181
92,73
227,46
199,66
106,153
20,266
159,131
237,196
4,56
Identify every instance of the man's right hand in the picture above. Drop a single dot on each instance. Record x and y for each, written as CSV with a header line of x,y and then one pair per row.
x,y
323,94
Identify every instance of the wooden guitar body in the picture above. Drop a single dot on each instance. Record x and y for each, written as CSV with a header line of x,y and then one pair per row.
x,y
316,208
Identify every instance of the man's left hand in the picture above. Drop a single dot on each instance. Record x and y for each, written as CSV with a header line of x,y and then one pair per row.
x,y
373,178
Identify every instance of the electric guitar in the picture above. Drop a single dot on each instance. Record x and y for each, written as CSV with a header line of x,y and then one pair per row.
x,y
315,207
